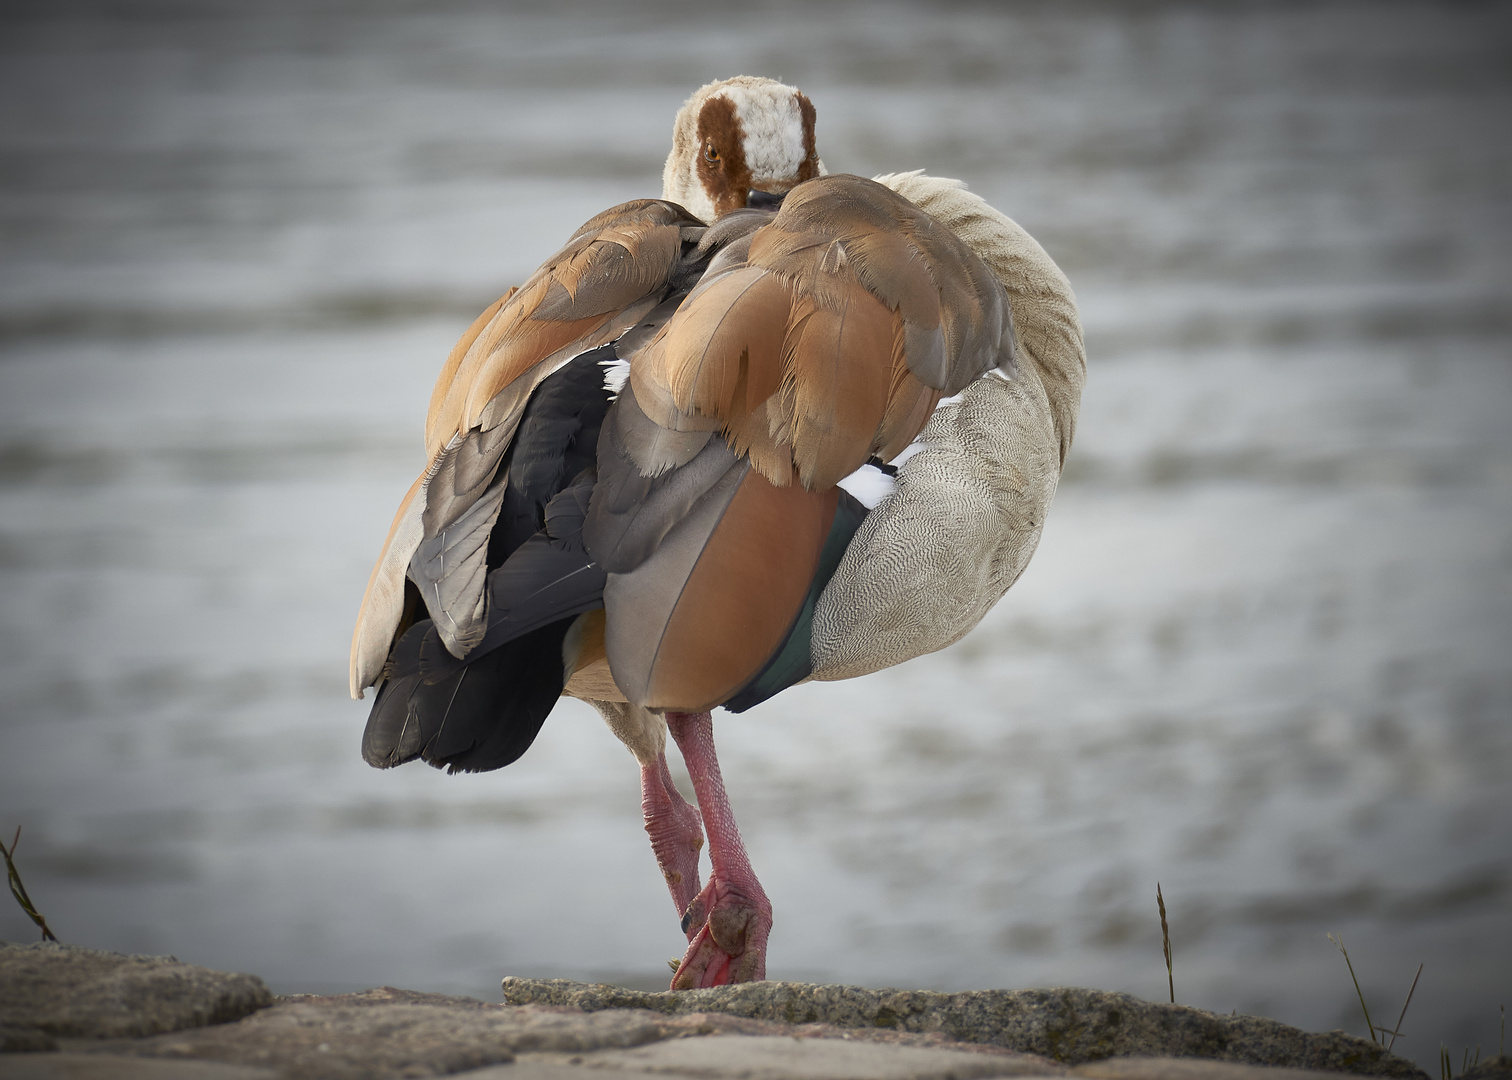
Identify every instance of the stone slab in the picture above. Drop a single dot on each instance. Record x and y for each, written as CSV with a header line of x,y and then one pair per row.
x,y
547,1067
67,1066
1069,1025
1171,1068
770,1057
689,1024
734,1057
66,990
18,1038
142,1018
390,1032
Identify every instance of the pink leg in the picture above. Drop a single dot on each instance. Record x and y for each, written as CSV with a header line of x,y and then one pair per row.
x,y
676,834
729,922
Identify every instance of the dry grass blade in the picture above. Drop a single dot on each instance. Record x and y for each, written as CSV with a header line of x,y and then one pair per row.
x,y
18,890
1165,941
1406,1003
1446,1063
1339,944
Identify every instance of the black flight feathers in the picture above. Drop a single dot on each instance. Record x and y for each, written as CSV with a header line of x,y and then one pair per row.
x,y
482,717
483,712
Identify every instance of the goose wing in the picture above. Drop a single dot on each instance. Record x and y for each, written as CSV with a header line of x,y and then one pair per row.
x,y
614,272
819,340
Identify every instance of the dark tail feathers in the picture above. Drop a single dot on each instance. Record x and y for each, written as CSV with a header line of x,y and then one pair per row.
x,y
481,717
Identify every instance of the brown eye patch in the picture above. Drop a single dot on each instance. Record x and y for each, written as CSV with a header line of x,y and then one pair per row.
x,y
810,167
724,175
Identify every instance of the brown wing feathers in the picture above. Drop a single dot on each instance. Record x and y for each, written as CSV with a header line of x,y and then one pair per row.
x,y
829,335
449,372
815,340
578,299
613,271
826,337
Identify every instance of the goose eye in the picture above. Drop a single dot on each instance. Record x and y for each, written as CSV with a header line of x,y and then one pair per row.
x,y
711,154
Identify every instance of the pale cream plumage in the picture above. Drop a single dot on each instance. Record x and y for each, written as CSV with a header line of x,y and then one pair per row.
x,y
908,584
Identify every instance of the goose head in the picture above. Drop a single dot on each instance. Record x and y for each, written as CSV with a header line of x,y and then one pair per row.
x,y
740,142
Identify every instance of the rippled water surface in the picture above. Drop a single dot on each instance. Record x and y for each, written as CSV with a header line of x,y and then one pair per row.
x,y
1264,655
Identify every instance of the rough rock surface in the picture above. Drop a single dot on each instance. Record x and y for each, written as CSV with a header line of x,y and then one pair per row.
x,y
1168,1068
1066,1025
66,990
1497,1068
56,1003
20,1038
771,1057
390,1032
69,1066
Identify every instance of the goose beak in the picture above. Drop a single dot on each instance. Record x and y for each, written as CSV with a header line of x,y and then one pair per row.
x,y
765,200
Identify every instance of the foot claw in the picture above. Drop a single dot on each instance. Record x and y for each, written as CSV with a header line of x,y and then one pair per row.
x,y
697,912
729,945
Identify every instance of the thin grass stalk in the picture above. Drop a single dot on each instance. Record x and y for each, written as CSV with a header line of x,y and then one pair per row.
x,y
18,889
1165,942
1339,944
1406,1003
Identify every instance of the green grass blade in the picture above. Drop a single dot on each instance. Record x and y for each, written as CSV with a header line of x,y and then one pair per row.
x,y
1339,944
1165,942
18,888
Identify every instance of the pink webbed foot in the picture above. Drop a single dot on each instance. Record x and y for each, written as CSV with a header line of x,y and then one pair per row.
x,y
728,928
728,922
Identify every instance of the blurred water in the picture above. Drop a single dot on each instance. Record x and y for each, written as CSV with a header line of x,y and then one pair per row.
x,y
1261,657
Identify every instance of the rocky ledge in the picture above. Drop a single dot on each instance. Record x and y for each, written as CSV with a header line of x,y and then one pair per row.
x,y
83,1014
1071,1026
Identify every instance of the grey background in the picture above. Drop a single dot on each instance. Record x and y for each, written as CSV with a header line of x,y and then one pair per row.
x,y
1262,655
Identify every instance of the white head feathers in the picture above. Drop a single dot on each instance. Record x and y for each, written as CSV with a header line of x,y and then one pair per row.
x,y
735,136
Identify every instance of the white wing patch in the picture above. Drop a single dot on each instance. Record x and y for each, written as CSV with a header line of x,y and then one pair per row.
x,y
616,371
869,485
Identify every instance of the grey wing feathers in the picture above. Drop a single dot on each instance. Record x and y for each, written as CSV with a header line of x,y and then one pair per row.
x,y
548,578
462,502
464,492
634,508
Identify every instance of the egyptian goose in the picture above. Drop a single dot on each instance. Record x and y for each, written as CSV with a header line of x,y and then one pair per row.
x,y
778,425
